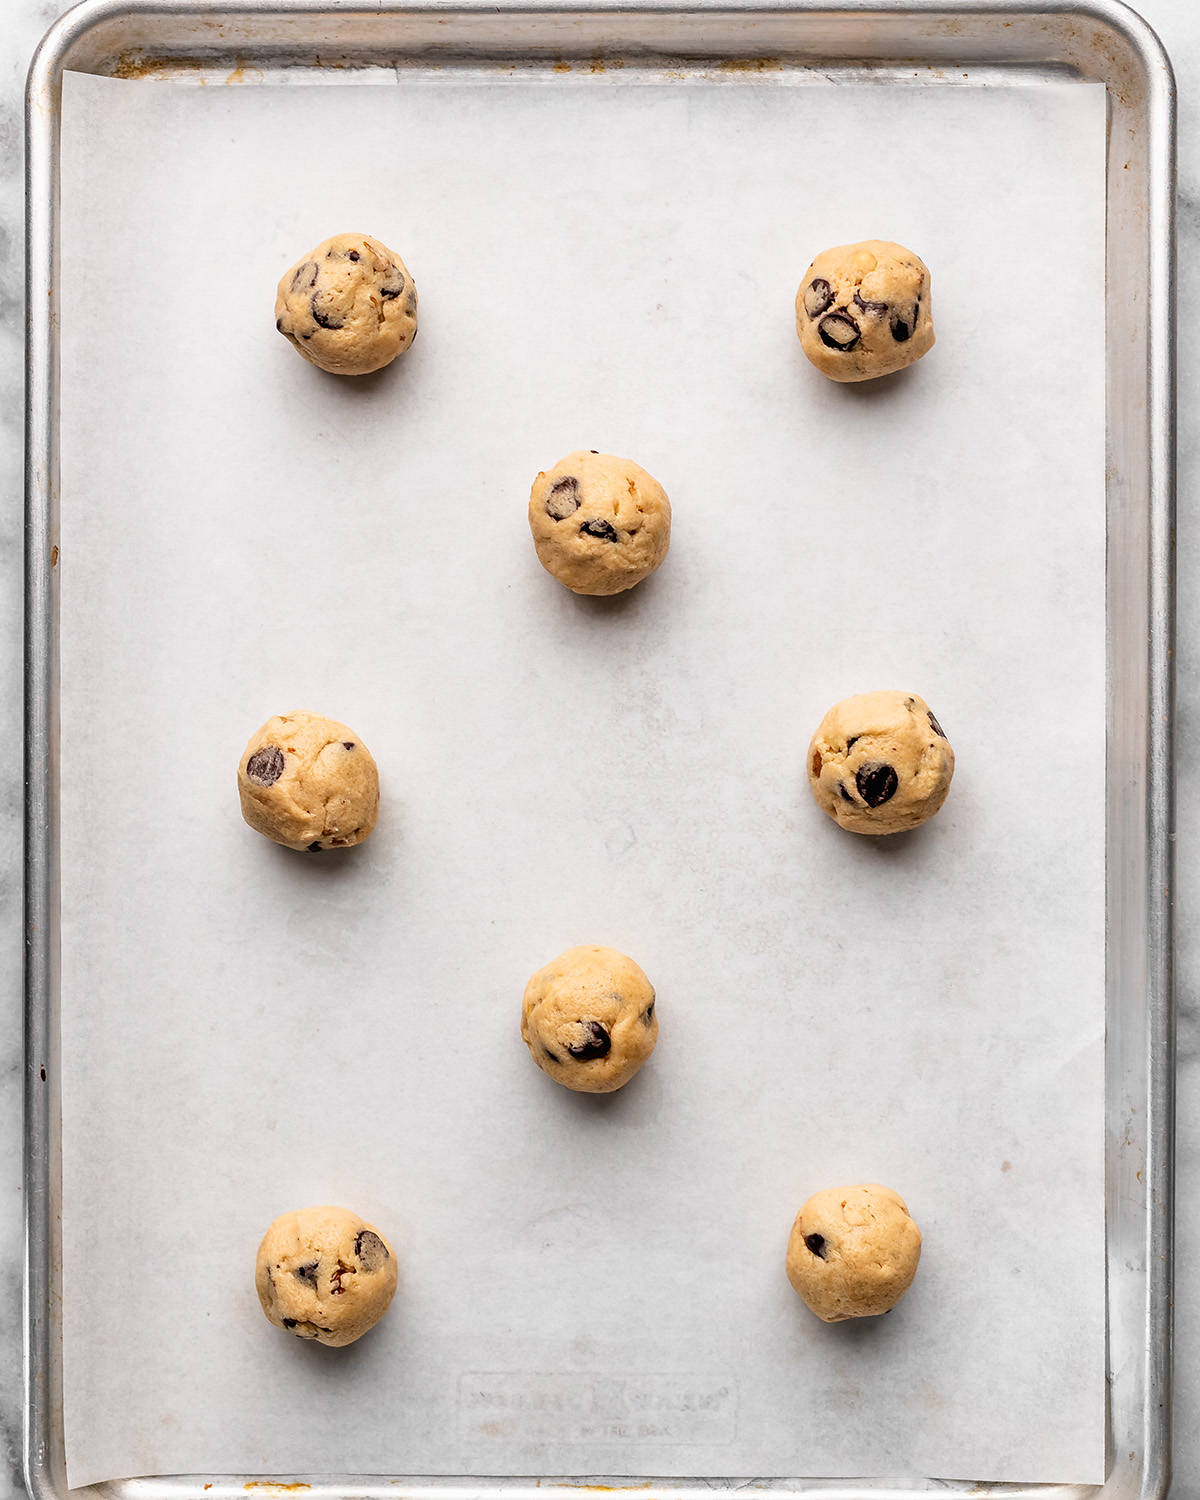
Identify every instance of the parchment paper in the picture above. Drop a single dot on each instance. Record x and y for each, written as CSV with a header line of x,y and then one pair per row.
x,y
589,1286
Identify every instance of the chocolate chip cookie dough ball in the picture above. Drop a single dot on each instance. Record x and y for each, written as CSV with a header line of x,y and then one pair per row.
x,y
880,763
853,1252
308,782
349,306
588,1019
325,1274
865,310
600,524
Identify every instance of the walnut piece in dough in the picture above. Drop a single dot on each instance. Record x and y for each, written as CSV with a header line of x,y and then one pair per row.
x,y
600,523
589,1020
880,763
308,782
350,306
325,1274
853,1252
865,310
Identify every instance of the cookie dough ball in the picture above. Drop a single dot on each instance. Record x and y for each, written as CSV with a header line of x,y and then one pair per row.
x,y
853,1252
880,763
588,1019
600,524
865,310
308,782
325,1274
349,306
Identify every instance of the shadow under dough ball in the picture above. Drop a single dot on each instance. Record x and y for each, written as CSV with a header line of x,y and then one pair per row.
x,y
350,306
600,523
309,783
880,763
325,1274
865,310
588,1019
853,1252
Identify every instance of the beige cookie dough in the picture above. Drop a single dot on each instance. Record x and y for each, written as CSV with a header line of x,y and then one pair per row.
x,y
308,782
853,1252
880,763
325,1274
865,310
600,523
350,306
588,1019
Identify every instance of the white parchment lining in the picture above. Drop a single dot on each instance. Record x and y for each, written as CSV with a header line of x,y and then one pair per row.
x,y
589,1286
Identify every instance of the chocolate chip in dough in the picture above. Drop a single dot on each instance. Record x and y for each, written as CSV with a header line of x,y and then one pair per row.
x,y
816,1243
563,499
838,331
323,319
370,1250
601,530
307,1273
878,308
265,766
595,1042
818,296
937,728
877,782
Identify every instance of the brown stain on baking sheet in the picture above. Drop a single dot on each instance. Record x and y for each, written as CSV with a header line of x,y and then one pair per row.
x,y
751,65
270,1488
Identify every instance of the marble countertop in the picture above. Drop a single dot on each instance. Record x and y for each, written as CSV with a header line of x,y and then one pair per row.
x,y
1178,23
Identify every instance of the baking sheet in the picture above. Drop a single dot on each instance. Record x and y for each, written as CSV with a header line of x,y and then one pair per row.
x,y
589,1286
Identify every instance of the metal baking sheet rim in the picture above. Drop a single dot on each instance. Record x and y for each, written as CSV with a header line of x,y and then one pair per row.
x,y
1100,39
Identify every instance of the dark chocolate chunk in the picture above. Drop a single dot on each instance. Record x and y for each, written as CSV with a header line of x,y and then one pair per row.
x,y
901,332
394,284
595,1042
353,254
315,847
307,1273
878,308
348,744
816,1243
838,331
301,275
852,741
818,295
290,1322
601,530
877,782
937,728
843,793
266,765
370,1250
325,320
563,499
648,1013
596,451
